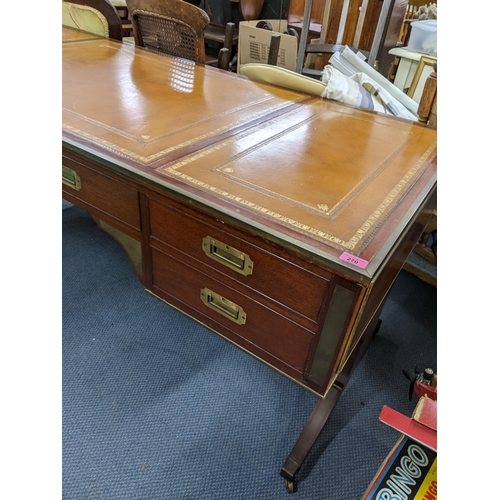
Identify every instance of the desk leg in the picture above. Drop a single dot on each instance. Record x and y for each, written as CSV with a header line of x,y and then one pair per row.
x,y
308,436
322,410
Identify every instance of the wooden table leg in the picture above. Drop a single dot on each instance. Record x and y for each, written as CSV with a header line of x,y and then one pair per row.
x,y
308,436
322,410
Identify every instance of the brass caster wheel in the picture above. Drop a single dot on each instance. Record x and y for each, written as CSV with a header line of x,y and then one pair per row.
x,y
290,486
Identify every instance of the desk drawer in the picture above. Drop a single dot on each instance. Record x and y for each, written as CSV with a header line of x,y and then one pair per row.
x,y
249,263
101,192
253,326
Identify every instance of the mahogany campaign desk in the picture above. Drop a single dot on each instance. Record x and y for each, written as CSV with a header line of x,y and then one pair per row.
x,y
276,219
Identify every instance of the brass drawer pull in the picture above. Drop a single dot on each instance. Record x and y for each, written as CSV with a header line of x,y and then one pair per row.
x,y
71,178
223,306
227,256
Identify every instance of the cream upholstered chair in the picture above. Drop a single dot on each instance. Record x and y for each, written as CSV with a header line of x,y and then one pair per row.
x,y
282,77
95,16
170,27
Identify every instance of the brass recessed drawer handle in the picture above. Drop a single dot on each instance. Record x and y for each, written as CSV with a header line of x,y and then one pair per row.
x,y
227,256
223,306
71,178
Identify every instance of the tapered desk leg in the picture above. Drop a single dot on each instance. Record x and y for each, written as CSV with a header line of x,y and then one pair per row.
x,y
308,436
322,410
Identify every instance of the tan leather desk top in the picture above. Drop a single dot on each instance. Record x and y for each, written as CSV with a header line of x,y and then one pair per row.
x,y
321,175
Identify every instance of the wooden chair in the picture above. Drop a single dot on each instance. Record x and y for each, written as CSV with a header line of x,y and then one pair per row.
x,y
122,9
170,27
308,47
230,36
95,16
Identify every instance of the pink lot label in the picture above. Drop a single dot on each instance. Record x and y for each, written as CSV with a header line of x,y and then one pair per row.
x,y
355,261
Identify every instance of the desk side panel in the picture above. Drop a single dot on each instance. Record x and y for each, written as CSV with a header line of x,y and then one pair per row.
x,y
113,201
384,280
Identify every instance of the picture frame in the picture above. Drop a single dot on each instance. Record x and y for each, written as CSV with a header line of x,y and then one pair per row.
x,y
418,82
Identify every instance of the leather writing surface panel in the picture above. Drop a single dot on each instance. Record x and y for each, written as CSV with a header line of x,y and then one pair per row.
x,y
144,106
329,172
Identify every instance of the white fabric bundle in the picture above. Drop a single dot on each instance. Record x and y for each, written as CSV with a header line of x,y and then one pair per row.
x,y
382,82
361,91
347,90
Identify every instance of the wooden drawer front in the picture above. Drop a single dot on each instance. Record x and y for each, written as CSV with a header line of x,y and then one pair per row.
x,y
101,192
276,278
263,329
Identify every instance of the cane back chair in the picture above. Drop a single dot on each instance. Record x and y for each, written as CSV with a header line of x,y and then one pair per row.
x,y
170,27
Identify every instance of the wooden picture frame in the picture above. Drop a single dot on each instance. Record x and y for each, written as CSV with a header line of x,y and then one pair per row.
x,y
424,61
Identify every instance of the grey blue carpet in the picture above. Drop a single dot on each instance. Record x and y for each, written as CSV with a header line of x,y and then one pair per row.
x,y
156,407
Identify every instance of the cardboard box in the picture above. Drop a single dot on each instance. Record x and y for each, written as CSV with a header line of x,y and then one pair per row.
x,y
253,44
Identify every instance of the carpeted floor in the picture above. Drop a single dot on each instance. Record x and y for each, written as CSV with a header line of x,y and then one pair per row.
x,y
156,407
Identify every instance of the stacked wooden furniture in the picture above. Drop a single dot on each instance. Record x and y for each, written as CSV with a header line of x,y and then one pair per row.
x,y
276,219
427,109
370,26
427,113
410,16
